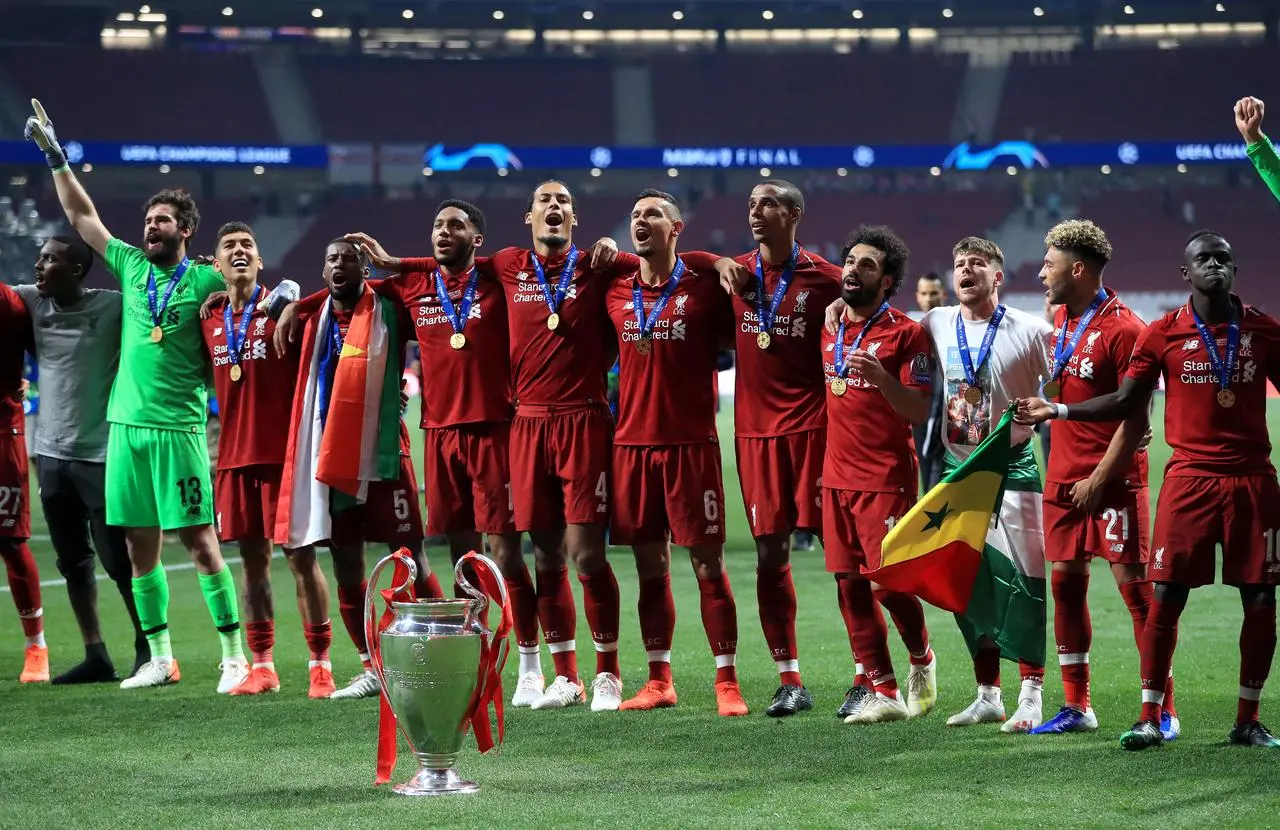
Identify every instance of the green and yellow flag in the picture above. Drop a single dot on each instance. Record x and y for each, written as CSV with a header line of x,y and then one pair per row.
x,y
947,551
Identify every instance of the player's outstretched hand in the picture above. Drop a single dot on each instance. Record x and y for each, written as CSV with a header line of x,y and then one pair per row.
x,y
377,255
1086,493
286,329
869,366
40,130
734,276
206,308
603,254
1032,411
1249,112
1147,438
833,313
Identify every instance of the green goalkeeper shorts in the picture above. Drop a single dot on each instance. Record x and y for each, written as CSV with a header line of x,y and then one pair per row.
x,y
158,477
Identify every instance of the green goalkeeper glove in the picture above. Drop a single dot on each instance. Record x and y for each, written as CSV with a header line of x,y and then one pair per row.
x,y
40,130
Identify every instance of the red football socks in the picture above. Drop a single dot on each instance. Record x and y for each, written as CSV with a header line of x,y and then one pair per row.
x,y
559,618
908,617
1159,639
720,620
351,608
1257,647
870,634
776,596
24,583
524,607
603,608
319,638
1073,631
657,624
261,635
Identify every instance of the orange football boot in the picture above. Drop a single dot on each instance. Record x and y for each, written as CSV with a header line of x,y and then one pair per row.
x,y
35,667
729,699
321,683
656,694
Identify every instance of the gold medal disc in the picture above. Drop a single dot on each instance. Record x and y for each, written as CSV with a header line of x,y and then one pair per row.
x,y
839,386
458,340
763,339
973,395
156,334
1226,398
1052,389
644,346
236,372
553,321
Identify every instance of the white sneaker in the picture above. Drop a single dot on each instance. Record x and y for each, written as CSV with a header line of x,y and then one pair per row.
x,y
922,689
365,684
984,709
880,708
1028,714
233,674
561,693
606,692
528,689
153,673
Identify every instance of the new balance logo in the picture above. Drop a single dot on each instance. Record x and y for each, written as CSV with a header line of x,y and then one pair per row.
x,y
1191,345
712,530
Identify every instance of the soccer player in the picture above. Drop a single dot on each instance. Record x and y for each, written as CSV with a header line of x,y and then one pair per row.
x,y
670,317
931,293
1216,355
390,512
15,509
77,335
254,389
877,372
157,459
1095,504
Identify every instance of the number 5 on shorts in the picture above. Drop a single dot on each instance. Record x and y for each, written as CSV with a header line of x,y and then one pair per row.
x,y
401,505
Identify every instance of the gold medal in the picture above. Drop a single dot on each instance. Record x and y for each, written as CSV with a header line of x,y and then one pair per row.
x,y
1226,398
839,386
763,339
156,334
644,345
553,321
1052,389
457,341
236,373
973,395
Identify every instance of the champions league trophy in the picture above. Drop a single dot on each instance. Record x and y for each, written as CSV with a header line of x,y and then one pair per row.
x,y
440,667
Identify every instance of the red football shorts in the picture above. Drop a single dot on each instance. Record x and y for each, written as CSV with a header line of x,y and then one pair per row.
x,y
15,489
854,524
391,513
1117,530
1195,513
467,471
676,490
245,500
781,481
560,466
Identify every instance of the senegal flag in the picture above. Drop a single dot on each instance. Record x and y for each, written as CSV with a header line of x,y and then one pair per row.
x,y
952,550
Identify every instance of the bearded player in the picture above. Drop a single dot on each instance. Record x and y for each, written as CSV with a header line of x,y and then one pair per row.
x,y
1096,502
670,318
1216,355
878,381
254,388
157,457
15,504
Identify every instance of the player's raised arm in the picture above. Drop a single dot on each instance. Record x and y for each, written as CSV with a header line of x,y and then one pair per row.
x,y
1249,113
79,209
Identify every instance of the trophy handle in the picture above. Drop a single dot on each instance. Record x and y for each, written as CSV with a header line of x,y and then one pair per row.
x,y
480,600
371,625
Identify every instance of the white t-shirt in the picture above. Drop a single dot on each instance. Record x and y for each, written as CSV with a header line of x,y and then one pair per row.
x,y
1018,361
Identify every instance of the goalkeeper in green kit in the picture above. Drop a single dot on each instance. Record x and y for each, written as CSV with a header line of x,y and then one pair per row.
x,y
1258,147
157,458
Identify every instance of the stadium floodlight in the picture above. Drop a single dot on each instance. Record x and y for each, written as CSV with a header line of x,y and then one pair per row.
x,y
1219,8
857,14
407,14
317,12
258,170
227,11
595,172
935,171
947,13
164,168
765,172
1182,168
498,14
767,14
842,171
677,15
1106,169
587,14
1038,12
1128,9
672,172
144,10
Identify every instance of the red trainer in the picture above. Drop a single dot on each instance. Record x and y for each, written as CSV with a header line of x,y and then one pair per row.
x,y
261,680
321,683
729,699
35,666
653,695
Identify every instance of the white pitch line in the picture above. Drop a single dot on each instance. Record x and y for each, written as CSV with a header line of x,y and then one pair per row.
x,y
181,566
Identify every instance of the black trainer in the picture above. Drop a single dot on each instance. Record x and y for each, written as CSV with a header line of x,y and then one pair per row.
x,y
788,700
91,670
854,700
1252,734
1141,735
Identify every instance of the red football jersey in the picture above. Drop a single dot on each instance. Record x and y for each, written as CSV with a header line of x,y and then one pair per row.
x,y
459,386
1097,366
779,389
667,397
567,365
15,322
256,409
1207,438
869,445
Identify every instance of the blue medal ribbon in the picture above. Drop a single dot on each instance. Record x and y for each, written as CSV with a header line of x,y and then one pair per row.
x,y
1064,348
556,297
647,323
157,311
766,318
984,350
1224,372
857,341
458,317
236,335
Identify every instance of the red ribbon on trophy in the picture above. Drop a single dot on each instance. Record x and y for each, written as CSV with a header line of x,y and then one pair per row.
x,y
403,577
493,654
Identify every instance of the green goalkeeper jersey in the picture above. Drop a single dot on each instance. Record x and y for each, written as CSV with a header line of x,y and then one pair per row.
x,y
160,385
1267,163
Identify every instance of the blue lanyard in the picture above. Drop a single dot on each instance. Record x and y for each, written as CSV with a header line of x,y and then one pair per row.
x,y
457,317
984,350
857,341
157,312
637,296
1064,348
1224,372
236,336
766,318
554,299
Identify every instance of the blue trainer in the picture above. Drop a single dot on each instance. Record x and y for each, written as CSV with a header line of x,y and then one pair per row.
x,y
1068,720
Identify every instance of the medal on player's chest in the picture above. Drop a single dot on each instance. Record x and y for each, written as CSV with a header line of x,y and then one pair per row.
x,y
763,340
973,395
645,323
554,297
457,315
1065,347
1222,370
1226,398
839,385
155,304
236,333
236,373
1052,389
157,334
767,314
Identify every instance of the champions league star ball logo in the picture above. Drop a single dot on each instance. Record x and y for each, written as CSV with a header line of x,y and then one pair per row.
x,y
601,157
74,151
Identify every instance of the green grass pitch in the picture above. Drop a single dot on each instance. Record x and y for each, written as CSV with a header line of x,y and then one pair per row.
x,y
101,757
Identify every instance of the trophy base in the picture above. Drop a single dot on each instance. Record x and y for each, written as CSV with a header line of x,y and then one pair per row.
x,y
436,782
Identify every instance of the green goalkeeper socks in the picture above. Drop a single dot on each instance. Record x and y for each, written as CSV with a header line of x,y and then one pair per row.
x,y
151,595
220,595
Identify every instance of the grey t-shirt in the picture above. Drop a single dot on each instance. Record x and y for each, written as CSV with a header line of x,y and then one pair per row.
x,y
78,352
